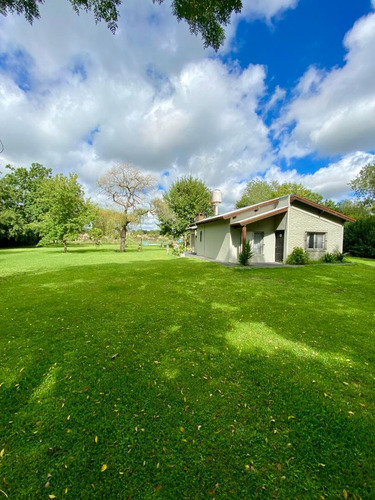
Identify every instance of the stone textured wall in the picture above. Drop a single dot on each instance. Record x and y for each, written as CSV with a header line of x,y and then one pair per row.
x,y
310,220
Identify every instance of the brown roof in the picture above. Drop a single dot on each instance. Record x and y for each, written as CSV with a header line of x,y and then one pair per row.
x,y
256,218
295,197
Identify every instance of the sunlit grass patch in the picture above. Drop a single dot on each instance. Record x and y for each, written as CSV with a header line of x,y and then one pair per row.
x,y
184,379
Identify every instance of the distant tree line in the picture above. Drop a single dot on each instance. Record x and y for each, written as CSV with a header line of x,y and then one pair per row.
x,y
39,208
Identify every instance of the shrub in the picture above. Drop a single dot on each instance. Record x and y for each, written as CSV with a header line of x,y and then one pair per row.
x,y
328,258
246,254
298,257
339,256
359,238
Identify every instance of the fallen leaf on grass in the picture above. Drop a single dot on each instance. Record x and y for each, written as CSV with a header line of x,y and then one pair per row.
x,y
2,452
345,494
96,439
158,487
104,467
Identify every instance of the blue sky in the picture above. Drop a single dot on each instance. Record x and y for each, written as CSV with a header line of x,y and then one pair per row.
x,y
290,96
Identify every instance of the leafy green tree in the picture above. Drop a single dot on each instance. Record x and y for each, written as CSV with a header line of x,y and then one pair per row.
x,y
355,209
186,198
260,190
67,211
359,238
19,202
109,222
128,187
205,17
364,186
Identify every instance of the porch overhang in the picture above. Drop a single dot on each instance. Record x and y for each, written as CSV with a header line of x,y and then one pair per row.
x,y
256,218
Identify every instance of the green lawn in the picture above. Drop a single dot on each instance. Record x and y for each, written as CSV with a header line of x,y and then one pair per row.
x,y
143,375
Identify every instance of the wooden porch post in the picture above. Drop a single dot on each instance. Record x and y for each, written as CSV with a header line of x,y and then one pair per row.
x,y
243,237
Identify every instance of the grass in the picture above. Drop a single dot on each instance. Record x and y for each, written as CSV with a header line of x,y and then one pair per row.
x,y
141,375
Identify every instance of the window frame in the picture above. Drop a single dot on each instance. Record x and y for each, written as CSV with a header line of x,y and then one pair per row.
x,y
315,235
260,244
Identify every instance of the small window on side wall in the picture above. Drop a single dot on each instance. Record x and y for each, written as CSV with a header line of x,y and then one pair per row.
x,y
315,241
200,235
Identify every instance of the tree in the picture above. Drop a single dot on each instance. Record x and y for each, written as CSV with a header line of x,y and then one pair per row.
x,y
205,17
128,187
258,190
364,185
354,209
186,198
359,238
66,210
109,222
19,202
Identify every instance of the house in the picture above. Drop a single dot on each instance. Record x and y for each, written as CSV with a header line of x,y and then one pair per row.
x,y
273,227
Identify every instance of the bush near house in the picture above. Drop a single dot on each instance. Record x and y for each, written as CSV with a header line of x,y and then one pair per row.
x,y
359,238
246,254
298,257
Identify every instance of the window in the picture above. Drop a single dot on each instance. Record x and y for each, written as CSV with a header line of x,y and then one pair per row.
x,y
315,241
200,235
258,243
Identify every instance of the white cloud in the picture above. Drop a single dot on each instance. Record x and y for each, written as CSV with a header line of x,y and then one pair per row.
x,y
96,99
331,181
334,111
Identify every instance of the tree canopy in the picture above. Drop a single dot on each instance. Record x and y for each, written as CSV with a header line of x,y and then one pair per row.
x,y
186,198
66,211
127,187
20,191
258,190
364,185
207,18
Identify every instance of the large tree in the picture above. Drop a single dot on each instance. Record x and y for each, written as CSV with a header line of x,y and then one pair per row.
x,y
66,212
364,185
259,190
205,17
127,187
186,198
20,191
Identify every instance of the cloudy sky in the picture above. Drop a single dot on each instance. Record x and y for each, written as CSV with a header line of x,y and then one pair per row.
x,y
290,96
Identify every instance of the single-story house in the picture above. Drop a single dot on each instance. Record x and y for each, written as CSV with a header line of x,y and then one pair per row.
x,y
273,227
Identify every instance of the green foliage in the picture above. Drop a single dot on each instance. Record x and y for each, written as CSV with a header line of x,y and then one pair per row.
x,y
66,210
246,254
353,208
20,208
298,257
186,198
259,190
364,185
96,235
205,18
359,238
157,366
332,258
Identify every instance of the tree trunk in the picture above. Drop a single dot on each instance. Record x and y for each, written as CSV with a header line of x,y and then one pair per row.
x,y
122,239
65,247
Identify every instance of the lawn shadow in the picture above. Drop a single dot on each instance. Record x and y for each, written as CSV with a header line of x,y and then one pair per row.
x,y
194,378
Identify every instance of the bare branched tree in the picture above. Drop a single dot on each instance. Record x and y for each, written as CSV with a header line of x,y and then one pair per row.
x,y
128,187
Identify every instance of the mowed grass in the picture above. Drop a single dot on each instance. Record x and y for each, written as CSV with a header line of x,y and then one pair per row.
x,y
141,375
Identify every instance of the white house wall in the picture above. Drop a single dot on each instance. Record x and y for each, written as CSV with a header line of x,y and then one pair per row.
x,y
219,241
266,226
309,220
